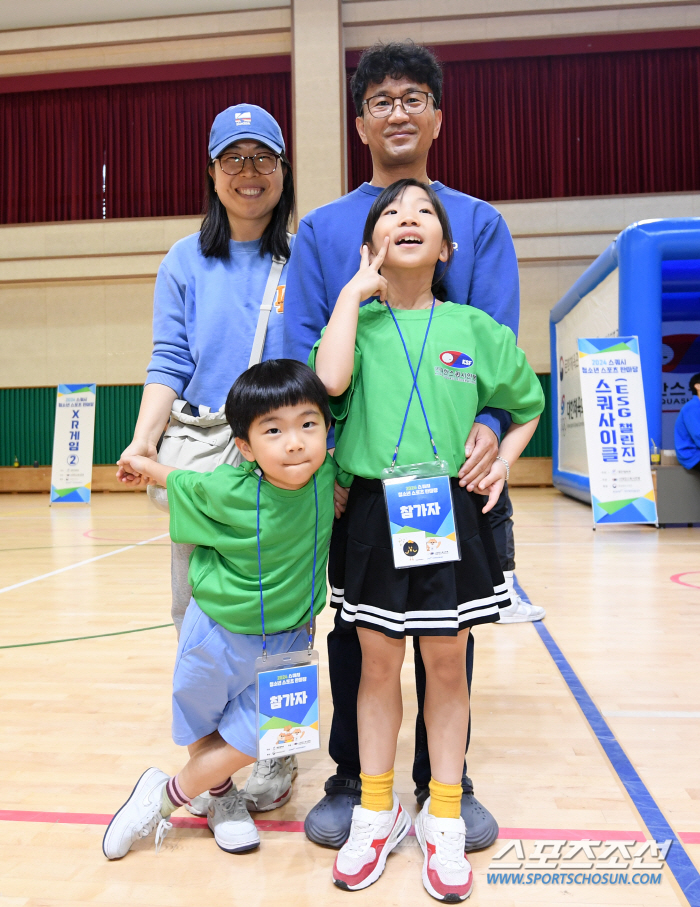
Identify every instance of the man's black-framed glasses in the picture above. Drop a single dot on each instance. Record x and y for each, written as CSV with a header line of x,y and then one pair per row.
x,y
264,162
413,102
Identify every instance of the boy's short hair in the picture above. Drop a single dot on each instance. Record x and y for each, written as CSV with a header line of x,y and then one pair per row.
x,y
693,381
389,195
396,60
271,385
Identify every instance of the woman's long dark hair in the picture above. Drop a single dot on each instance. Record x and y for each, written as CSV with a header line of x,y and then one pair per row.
x,y
215,232
389,195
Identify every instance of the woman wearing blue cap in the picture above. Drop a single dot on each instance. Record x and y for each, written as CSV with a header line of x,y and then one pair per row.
x,y
218,304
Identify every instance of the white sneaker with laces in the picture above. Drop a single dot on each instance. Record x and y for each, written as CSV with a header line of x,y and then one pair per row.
x,y
199,806
270,784
138,817
519,611
447,873
229,819
373,835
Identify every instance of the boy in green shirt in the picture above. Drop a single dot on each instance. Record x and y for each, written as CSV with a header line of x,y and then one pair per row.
x,y
255,527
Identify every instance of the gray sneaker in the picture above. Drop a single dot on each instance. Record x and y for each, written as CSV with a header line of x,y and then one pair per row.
x,y
229,819
138,817
270,784
199,806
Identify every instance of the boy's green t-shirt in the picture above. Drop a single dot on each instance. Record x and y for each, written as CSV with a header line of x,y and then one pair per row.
x,y
470,361
217,511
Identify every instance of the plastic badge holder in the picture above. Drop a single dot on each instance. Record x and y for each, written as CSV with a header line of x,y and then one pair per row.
x,y
421,514
286,704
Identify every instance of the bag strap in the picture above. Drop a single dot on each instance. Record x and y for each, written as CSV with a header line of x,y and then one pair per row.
x,y
265,309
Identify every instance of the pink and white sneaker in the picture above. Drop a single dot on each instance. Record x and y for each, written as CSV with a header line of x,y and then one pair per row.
x,y
447,873
373,835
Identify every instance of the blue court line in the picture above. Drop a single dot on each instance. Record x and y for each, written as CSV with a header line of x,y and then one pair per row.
x,y
678,861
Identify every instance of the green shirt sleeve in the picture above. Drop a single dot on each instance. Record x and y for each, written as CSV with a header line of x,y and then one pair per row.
x,y
513,385
339,405
194,500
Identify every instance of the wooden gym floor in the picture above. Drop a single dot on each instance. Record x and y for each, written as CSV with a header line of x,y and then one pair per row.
x,y
81,719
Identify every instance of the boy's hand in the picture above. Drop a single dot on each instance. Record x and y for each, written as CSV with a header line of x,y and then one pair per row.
x,y
340,500
368,281
493,484
136,470
143,449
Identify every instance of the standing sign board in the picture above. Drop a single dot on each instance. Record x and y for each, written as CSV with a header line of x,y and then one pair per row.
x,y
617,440
71,465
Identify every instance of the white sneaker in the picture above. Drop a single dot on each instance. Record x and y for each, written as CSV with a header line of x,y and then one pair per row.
x,y
270,784
447,873
199,806
138,817
519,611
229,819
373,835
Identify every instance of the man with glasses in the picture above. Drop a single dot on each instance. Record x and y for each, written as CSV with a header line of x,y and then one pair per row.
x,y
397,90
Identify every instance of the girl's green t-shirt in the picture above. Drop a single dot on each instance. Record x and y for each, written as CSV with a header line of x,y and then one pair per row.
x,y
217,511
470,361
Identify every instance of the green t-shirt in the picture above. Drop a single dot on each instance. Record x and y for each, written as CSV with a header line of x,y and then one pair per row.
x,y
217,511
488,370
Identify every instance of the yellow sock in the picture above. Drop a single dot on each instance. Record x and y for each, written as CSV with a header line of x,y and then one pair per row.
x,y
378,791
445,800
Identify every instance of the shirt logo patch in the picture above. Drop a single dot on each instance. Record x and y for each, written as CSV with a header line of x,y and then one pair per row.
x,y
455,359
243,119
279,300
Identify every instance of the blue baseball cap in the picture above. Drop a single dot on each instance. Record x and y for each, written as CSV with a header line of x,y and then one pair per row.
x,y
244,121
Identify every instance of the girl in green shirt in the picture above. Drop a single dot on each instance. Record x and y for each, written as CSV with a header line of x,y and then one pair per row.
x,y
463,361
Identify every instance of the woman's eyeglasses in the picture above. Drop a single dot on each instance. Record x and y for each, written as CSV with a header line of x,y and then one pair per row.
x,y
265,162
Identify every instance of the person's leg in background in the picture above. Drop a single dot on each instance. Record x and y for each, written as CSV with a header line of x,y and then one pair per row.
x,y
328,823
501,519
181,589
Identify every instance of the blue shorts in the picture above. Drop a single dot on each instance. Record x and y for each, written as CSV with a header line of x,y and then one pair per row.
x,y
214,680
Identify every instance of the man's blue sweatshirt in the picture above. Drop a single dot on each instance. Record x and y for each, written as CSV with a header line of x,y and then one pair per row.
x,y
483,273
205,312
687,434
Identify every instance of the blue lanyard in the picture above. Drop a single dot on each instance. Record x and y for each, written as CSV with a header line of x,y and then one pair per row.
x,y
313,575
415,383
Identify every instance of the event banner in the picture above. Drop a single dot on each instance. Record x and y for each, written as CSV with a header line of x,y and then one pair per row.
x,y
617,440
71,466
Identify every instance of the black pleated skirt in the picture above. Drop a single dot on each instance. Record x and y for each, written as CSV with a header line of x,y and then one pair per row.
x,y
432,600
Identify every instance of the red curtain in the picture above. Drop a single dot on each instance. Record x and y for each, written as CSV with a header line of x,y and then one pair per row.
x,y
540,127
547,127
149,140
53,151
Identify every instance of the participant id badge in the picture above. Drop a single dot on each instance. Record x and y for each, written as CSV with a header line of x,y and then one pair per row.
x,y
421,515
286,704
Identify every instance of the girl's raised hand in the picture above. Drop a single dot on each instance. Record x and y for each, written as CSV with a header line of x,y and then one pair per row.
x,y
368,281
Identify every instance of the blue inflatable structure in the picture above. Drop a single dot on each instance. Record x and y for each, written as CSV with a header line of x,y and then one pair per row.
x,y
647,284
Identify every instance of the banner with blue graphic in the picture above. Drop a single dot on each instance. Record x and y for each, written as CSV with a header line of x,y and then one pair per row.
x,y
421,520
71,464
287,708
617,440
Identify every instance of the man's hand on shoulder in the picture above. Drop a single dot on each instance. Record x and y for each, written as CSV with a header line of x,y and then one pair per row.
x,y
481,450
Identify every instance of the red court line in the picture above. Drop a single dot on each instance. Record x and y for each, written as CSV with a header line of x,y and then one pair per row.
x,y
524,834
676,578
